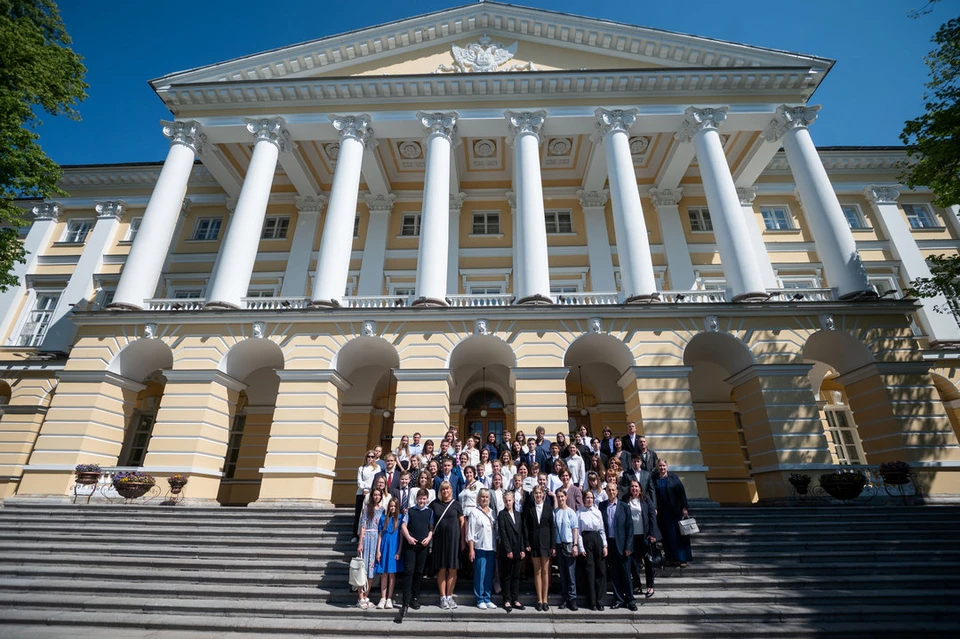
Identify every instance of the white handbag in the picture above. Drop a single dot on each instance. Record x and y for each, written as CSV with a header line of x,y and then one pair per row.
x,y
358,573
688,526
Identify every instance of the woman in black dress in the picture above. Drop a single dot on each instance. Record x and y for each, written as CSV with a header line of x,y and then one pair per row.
x,y
447,543
539,530
671,508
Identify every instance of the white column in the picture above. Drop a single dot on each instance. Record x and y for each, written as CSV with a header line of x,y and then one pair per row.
x,y
941,327
633,246
238,252
835,244
453,246
433,255
767,274
375,245
729,228
297,273
336,244
598,240
39,236
142,269
533,280
80,287
517,244
679,264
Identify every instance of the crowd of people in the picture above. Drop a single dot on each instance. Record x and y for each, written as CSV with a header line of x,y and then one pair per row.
x,y
594,507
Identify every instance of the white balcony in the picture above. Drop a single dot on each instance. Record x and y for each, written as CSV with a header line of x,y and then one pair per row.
x,y
801,294
587,299
462,301
694,297
274,303
174,304
374,301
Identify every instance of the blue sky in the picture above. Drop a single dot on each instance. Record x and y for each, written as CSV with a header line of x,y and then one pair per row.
x,y
875,86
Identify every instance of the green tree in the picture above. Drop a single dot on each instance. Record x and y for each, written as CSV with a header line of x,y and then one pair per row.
x,y
38,74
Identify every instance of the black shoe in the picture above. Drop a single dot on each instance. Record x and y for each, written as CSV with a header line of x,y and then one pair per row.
x,y
416,604
616,605
573,606
538,607
545,607
599,608
632,607
400,615
518,606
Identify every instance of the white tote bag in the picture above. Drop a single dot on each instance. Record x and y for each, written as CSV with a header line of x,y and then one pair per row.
x,y
688,526
358,572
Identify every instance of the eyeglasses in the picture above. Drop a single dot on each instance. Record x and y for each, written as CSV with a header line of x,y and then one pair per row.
x,y
369,456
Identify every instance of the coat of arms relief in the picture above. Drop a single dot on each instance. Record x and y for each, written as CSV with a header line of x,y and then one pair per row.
x,y
483,56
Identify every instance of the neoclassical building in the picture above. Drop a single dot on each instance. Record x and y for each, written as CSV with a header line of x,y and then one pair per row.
x,y
489,217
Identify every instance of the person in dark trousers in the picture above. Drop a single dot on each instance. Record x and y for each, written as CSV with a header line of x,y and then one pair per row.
x,y
417,531
618,527
512,551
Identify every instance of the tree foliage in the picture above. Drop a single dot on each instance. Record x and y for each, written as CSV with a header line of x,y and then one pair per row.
x,y
38,74
943,280
934,137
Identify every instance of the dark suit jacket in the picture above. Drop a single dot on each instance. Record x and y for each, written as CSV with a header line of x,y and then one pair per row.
x,y
649,521
606,445
540,534
647,483
603,457
622,532
537,456
395,493
625,459
512,536
629,446
456,482
392,482
529,503
650,465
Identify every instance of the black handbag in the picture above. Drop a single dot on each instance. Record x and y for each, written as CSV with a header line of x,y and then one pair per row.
x,y
566,548
654,555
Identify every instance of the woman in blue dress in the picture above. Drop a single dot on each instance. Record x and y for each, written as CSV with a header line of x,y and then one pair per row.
x,y
369,536
671,508
389,561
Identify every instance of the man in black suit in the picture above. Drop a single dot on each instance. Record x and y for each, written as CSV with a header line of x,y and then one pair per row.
x,y
533,455
648,457
618,526
391,474
631,439
645,479
402,492
595,449
505,444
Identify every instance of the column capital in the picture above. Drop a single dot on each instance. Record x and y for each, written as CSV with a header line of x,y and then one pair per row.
x,y
666,197
614,120
354,126
269,130
511,199
789,117
381,202
881,194
698,119
311,203
47,211
457,200
439,123
593,199
747,195
110,209
189,133
519,122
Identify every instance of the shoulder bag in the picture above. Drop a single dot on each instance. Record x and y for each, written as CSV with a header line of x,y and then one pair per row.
x,y
358,573
439,519
688,526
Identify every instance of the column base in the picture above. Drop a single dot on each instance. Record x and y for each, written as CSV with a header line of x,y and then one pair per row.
x,y
280,504
324,304
860,296
428,301
221,306
643,299
534,300
120,306
755,296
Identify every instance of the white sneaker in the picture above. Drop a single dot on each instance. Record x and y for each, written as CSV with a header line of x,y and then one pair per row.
x,y
491,605
482,605
452,602
382,604
444,603
389,604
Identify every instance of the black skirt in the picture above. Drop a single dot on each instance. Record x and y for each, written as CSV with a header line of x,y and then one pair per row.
x,y
446,535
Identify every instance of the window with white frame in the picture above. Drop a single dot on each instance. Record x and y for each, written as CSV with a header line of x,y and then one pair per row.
x,y
207,229
886,285
356,227
275,228
486,290
486,223
233,445
133,229
841,430
138,435
560,289
77,231
742,438
920,216
404,291
711,283
410,225
800,281
262,293
700,219
854,215
105,296
559,221
187,294
776,218
38,319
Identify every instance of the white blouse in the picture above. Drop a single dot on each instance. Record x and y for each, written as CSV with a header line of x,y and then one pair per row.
x,y
575,466
468,496
481,530
591,521
365,475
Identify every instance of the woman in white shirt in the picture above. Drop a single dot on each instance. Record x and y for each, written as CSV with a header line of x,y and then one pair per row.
x,y
403,453
507,468
482,540
593,545
425,481
471,490
576,466
365,475
469,448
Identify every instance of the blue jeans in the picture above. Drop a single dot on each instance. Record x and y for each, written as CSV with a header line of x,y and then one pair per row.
x,y
483,575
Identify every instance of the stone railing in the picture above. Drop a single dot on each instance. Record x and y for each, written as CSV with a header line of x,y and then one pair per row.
x,y
274,303
460,301
587,299
374,301
694,297
801,294
175,304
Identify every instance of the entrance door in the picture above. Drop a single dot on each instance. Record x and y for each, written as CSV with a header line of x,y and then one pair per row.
x,y
485,415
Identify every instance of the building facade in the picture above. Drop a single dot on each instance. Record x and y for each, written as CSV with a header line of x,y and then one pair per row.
x,y
489,217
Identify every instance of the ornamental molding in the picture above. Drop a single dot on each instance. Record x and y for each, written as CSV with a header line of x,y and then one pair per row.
x,y
520,122
698,119
111,209
609,120
483,56
47,211
666,197
881,194
444,124
79,177
595,325
188,133
788,118
311,203
481,327
511,199
356,127
270,130
850,160
747,195
379,202
456,201
593,199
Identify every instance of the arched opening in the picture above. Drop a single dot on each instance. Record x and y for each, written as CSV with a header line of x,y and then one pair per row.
x,y
481,371
141,422
484,414
5,394
950,397
594,397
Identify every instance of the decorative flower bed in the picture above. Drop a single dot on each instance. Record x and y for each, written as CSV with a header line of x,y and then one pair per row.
x,y
800,483
177,482
87,474
843,484
134,484
895,473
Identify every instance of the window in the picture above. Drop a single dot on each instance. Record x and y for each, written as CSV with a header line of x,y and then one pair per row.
x,y
233,447
854,217
275,228
207,229
842,435
700,219
38,319
132,230
188,294
262,293
410,225
920,216
564,288
77,231
486,290
776,218
356,227
140,437
486,223
742,439
559,221
404,292
105,297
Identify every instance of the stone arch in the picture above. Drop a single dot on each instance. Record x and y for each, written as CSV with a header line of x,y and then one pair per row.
x,y
841,351
480,362
5,393
141,358
599,360
250,355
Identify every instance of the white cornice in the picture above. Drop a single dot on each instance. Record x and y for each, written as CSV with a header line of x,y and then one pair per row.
x,y
131,175
851,160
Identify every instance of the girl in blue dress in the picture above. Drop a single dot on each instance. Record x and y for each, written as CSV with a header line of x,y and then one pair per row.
x,y
389,561
369,536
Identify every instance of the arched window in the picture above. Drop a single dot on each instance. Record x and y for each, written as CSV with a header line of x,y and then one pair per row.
x,y
485,414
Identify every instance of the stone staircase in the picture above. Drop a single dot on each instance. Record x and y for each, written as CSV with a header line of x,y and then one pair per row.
x,y
129,571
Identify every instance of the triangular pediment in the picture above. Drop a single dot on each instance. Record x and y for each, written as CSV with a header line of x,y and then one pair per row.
x,y
544,41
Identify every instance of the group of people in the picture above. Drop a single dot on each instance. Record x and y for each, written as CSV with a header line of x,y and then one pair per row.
x,y
594,506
